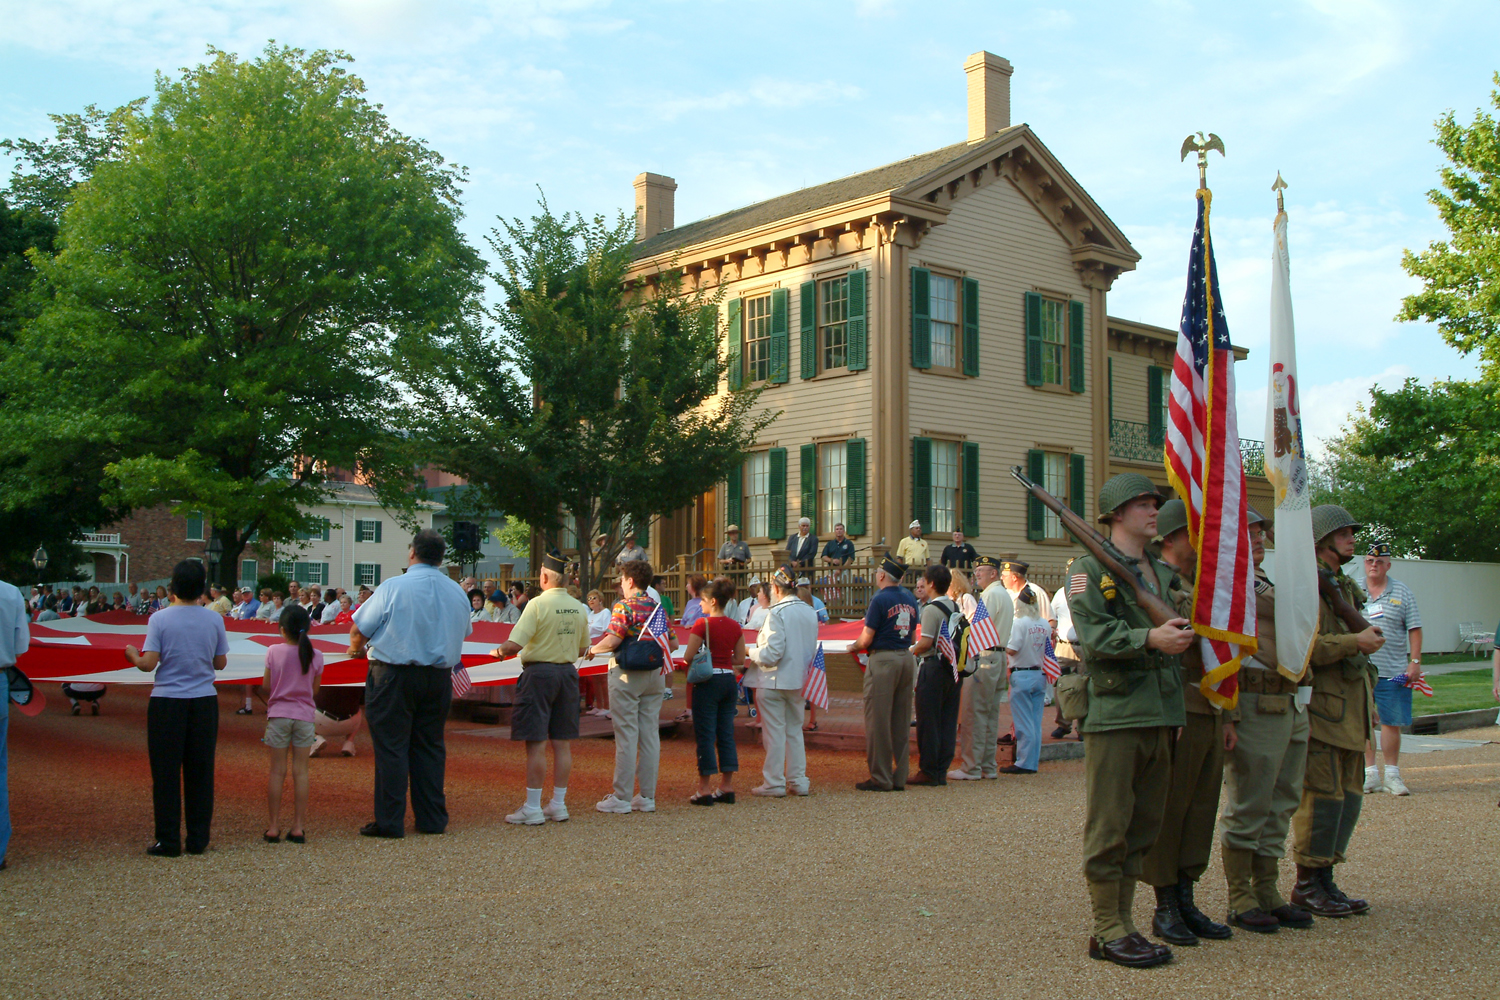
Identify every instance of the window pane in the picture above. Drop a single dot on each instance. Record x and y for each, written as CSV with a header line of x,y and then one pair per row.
x,y
944,486
833,321
832,480
567,538
1055,481
757,348
1054,341
944,321
757,495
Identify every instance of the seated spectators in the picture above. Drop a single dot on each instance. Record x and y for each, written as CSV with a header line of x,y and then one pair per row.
x,y
271,604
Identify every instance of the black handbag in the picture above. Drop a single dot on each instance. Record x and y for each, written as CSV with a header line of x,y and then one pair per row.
x,y
640,654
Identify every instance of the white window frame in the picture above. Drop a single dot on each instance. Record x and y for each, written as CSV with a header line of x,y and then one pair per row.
x,y
363,526
1057,477
947,486
832,323
367,574
833,485
1055,321
757,505
762,321
945,319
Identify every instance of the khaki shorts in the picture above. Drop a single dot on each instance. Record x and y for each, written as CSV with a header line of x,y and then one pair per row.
x,y
283,733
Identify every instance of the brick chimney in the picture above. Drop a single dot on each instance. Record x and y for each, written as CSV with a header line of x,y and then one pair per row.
x,y
989,96
654,194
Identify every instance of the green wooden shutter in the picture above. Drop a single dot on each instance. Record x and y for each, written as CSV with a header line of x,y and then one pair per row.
x,y
780,349
1156,424
1033,339
854,490
285,568
807,329
1036,470
921,319
921,481
733,336
809,462
776,506
376,568
643,533
377,530
1076,487
858,353
971,488
734,496
1075,345
971,326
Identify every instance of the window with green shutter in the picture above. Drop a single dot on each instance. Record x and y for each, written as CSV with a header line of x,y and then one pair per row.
x,y
921,481
807,328
643,533
780,346
776,506
286,568
1078,487
971,488
1036,471
859,355
809,471
1033,339
854,520
971,327
921,317
367,574
734,496
1075,346
317,535
195,527
1156,409
732,336
367,531
248,570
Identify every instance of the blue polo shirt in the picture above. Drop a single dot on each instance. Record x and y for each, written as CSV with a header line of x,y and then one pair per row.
x,y
892,615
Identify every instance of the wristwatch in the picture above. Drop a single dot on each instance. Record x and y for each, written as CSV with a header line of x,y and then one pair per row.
x,y
1415,659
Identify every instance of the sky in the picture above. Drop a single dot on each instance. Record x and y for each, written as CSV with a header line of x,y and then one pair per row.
x,y
740,101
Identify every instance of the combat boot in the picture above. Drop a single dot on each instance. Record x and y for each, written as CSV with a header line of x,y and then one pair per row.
x,y
1244,907
1197,921
1310,894
1356,906
1167,923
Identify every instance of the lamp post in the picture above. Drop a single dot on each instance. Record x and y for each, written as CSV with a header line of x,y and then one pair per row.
x,y
39,560
214,552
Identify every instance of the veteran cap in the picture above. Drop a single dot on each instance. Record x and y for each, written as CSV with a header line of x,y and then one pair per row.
x,y
1379,549
893,567
553,563
783,577
914,524
1015,566
989,561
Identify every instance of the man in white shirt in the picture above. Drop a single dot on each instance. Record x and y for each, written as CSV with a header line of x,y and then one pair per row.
x,y
778,664
1068,650
979,710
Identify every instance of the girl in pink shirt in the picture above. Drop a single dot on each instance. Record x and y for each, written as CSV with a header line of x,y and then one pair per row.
x,y
290,681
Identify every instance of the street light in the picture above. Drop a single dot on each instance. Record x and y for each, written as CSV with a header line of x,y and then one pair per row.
x,y
215,553
39,560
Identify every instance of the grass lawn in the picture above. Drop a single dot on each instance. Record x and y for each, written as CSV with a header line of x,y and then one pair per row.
x,y
1457,692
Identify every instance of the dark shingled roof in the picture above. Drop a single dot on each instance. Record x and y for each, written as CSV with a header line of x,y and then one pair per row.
x,y
887,178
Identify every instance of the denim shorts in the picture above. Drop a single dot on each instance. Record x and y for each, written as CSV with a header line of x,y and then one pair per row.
x,y
283,733
1393,702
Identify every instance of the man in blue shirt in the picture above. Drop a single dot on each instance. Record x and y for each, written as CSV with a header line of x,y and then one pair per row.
x,y
414,626
840,548
15,637
890,624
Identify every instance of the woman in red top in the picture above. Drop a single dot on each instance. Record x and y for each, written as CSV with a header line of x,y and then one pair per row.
x,y
346,611
714,700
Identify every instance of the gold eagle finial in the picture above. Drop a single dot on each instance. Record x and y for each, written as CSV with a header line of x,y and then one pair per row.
x,y
1202,145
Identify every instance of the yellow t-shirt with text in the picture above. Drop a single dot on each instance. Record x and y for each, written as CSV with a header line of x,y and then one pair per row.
x,y
554,628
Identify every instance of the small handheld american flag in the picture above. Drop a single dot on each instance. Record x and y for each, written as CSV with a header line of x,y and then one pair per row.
x,y
982,634
945,646
657,627
461,683
1050,667
815,688
1419,684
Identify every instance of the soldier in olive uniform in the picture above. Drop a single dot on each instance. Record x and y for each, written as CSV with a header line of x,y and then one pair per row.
x,y
1263,770
1340,715
1134,702
1181,852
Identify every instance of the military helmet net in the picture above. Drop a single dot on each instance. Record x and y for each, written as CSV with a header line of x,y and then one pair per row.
x,y
1330,517
1171,516
1122,489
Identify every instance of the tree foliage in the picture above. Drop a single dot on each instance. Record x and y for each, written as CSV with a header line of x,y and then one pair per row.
x,y
240,297
48,171
599,400
1419,467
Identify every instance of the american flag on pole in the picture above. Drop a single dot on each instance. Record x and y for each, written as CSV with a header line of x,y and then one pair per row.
x,y
815,688
461,683
982,634
657,627
944,645
1202,457
1051,669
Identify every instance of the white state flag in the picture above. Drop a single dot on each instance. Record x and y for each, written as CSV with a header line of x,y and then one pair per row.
x,y
1286,468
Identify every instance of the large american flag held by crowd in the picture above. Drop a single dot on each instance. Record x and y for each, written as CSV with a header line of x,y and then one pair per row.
x,y
659,627
815,687
1202,458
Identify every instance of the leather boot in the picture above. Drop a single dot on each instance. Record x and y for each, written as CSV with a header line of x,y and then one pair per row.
x,y
1105,900
1310,894
1264,874
1167,923
1355,905
1244,908
1197,921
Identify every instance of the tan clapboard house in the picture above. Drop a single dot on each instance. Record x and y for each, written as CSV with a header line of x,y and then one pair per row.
x,y
922,327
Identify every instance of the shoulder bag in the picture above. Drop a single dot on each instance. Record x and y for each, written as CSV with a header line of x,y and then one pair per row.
x,y
701,670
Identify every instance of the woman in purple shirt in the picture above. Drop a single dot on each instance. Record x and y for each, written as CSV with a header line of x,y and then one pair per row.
x,y
185,644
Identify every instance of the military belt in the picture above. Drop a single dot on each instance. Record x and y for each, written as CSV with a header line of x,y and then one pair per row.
x,y
1262,681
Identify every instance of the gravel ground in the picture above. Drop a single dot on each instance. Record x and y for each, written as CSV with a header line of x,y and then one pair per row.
x,y
969,891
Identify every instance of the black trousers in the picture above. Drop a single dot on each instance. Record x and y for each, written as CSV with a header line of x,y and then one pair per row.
x,y
405,709
181,734
713,724
937,700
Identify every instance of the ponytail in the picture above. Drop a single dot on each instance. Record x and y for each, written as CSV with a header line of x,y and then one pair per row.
x,y
295,621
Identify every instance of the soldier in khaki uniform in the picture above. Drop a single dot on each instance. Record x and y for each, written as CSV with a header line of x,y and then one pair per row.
x,y
1181,852
1263,769
1340,716
1134,702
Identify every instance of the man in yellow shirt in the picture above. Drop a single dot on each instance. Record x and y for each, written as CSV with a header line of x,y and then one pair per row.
x,y
550,637
913,548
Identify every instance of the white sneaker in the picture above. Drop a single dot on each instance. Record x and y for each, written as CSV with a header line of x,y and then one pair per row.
x,y
610,804
318,744
958,774
641,804
1372,780
1393,782
527,816
803,790
768,792
557,812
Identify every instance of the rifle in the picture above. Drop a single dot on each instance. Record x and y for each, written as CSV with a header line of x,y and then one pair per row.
x,y
1353,620
1102,549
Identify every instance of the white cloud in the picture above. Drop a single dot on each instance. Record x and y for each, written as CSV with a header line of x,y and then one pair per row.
x,y
1326,406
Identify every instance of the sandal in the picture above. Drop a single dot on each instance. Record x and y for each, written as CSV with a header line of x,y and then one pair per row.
x,y
811,727
702,799
727,798
270,839
684,717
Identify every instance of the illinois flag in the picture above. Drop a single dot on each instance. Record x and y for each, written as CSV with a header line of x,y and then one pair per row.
x,y
1286,468
1203,465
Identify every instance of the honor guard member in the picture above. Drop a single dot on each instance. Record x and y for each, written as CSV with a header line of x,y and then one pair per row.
x,y
1181,852
1340,724
979,711
1263,770
890,626
1134,703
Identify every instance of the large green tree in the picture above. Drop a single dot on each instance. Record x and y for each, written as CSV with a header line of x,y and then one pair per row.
x,y
598,405
242,295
